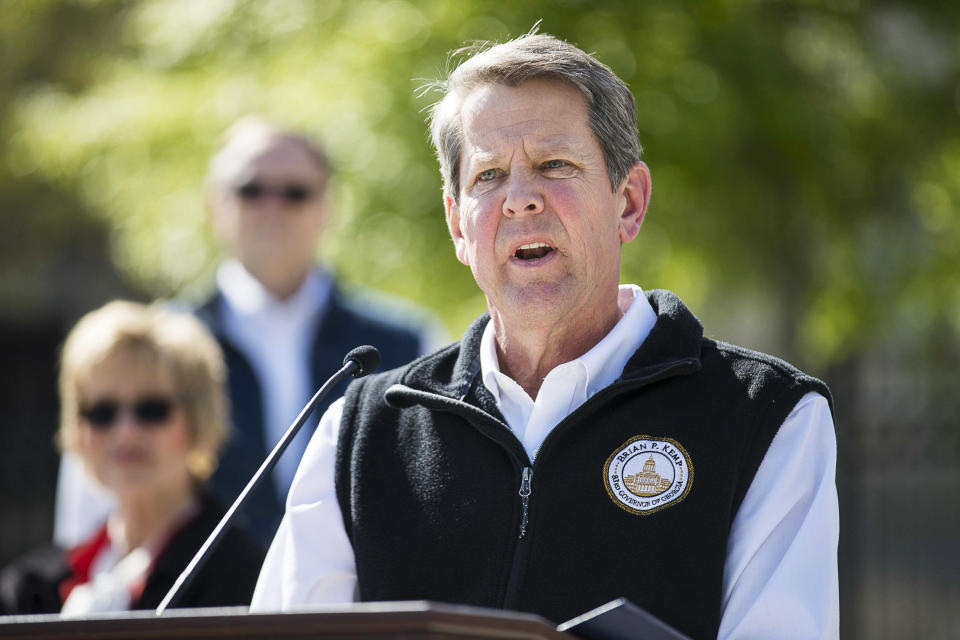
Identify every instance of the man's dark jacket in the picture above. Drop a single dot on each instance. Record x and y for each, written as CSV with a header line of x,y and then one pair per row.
x,y
32,583
343,325
430,480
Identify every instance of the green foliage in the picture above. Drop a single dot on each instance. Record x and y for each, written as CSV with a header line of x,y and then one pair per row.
x,y
805,156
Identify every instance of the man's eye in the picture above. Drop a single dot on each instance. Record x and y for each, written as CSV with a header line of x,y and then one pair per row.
x,y
554,164
489,174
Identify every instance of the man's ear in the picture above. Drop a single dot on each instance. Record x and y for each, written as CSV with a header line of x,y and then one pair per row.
x,y
453,225
636,194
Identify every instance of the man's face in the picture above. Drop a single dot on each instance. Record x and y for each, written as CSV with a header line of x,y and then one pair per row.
x,y
537,221
269,210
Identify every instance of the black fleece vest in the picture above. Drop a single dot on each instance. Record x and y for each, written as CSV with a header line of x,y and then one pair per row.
x,y
429,480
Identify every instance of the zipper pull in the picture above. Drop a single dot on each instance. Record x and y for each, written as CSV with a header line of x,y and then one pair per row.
x,y
525,498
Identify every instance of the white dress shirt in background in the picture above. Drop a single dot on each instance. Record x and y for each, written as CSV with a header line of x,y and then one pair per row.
x,y
277,337
780,576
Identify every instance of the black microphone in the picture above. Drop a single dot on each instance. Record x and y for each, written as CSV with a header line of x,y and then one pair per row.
x,y
358,363
366,357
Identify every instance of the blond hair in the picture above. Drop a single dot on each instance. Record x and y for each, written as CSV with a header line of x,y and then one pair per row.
x,y
173,343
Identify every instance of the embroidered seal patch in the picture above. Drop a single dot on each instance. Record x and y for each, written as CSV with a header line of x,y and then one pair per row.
x,y
647,474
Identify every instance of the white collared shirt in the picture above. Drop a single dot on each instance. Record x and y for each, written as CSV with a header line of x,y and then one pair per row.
x,y
780,575
568,385
277,337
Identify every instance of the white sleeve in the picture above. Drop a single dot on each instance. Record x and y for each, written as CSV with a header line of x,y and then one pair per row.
x,y
311,559
780,578
81,506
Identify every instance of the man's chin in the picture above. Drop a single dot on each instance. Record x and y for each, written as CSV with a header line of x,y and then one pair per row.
x,y
536,303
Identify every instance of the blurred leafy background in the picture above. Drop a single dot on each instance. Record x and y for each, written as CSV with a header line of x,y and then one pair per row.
x,y
806,168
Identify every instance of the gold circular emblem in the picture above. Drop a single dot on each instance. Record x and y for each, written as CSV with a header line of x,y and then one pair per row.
x,y
646,474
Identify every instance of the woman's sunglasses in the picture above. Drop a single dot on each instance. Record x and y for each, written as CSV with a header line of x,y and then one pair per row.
x,y
150,411
291,193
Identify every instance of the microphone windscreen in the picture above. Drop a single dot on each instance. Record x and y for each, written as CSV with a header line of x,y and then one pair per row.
x,y
367,357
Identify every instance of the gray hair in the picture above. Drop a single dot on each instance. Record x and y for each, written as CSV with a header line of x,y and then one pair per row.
x,y
612,118
254,134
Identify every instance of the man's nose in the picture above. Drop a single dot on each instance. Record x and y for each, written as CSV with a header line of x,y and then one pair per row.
x,y
271,202
523,196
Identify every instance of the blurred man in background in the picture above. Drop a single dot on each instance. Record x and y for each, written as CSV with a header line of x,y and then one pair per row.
x,y
281,319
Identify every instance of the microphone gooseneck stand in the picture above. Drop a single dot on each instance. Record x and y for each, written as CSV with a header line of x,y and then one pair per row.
x,y
358,363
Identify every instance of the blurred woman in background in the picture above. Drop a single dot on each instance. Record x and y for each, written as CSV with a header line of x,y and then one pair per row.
x,y
143,404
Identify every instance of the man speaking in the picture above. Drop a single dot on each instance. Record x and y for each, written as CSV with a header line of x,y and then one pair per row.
x,y
583,441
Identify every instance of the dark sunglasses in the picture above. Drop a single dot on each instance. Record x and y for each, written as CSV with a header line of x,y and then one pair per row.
x,y
291,193
151,411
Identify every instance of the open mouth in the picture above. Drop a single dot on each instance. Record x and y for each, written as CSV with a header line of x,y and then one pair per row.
x,y
532,251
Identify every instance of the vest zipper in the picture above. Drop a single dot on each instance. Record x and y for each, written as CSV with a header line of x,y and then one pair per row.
x,y
525,499
520,551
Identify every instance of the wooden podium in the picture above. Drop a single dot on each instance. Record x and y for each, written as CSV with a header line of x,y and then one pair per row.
x,y
367,621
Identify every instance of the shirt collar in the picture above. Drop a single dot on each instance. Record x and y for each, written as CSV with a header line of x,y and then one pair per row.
x,y
603,363
246,296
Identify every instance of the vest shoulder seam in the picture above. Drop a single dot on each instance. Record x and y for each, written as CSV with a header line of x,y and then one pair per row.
x,y
744,353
